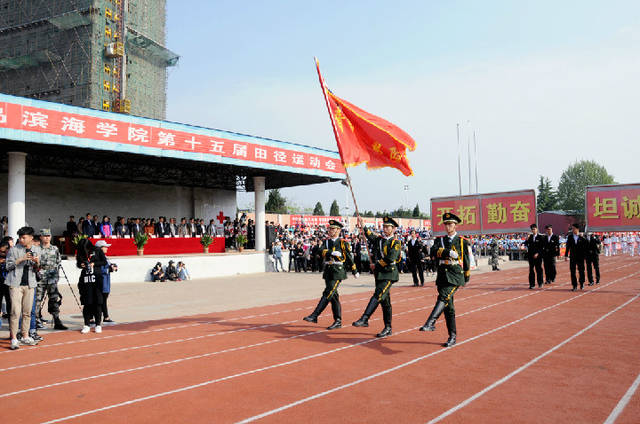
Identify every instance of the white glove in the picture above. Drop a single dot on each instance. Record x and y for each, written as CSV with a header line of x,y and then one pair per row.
x,y
453,254
356,275
336,254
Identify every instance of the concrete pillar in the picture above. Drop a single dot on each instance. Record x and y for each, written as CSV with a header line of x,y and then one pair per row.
x,y
16,192
261,236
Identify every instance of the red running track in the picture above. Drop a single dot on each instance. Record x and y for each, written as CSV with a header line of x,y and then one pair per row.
x,y
526,356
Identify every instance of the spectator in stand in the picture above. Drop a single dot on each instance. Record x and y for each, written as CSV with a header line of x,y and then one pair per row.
x,y
161,227
106,268
211,228
172,228
149,227
105,227
136,227
171,272
157,274
88,229
201,228
21,263
4,226
121,229
183,273
193,230
183,228
72,227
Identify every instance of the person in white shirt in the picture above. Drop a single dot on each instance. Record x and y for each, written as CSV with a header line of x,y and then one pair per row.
x,y
607,245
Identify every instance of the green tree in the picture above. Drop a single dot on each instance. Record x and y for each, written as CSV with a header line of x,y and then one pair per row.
x,y
318,209
334,210
547,198
574,180
416,212
276,203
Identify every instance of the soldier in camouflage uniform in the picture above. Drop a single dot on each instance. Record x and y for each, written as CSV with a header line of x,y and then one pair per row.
x,y
336,255
386,255
49,264
452,255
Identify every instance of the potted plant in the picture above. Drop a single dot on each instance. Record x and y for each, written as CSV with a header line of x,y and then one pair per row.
x,y
241,240
77,238
206,241
140,240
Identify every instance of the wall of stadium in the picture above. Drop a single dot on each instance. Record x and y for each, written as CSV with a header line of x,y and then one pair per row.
x,y
57,198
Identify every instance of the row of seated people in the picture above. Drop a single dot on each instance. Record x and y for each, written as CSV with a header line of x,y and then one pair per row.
x,y
172,272
123,227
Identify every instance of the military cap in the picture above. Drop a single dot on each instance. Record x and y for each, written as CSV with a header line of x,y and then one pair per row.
x,y
335,224
450,217
45,232
387,220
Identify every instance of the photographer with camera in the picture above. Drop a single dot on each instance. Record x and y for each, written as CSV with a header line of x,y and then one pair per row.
x,y
100,257
21,265
90,283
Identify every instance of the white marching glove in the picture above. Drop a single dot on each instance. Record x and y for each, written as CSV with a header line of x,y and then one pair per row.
x,y
356,275
453,254
336,254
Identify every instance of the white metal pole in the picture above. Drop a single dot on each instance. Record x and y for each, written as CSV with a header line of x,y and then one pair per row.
x,y
261,239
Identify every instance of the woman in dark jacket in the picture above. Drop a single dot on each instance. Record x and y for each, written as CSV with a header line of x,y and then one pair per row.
x,y
88,258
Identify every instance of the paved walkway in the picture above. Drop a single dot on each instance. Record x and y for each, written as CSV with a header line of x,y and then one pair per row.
x,y
148,301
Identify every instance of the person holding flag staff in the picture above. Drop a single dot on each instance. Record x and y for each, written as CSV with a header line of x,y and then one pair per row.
x,y
386,255
336,255
451,253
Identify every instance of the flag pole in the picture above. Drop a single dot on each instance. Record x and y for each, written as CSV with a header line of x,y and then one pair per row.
x,y
335,134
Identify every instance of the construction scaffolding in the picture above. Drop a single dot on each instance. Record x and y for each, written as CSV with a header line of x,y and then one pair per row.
x,y
100,54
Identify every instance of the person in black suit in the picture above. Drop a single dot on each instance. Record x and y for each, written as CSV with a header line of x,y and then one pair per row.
x,y
593,258
72,227
162,228
88,229
121,229
534,245
414,254
136,227
577,247
550,250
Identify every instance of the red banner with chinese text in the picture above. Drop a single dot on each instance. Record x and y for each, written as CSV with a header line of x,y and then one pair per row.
x,y
491,213
311,220
111,128
613,207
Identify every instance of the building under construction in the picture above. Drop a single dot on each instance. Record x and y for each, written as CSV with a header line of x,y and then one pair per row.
x,y
100,54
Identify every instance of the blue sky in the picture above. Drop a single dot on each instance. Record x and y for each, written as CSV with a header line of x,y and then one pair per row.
x,y
542,83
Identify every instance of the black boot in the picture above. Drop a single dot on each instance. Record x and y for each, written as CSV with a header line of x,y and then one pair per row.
x,y
386,317
364,320
58,325
314,315
451,327
430,325
336,324
337,314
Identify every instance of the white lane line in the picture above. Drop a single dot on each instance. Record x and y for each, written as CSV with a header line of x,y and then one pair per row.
x,y
175,361
136,333
170,342
413,361
528,364
173,341
623,402
294,361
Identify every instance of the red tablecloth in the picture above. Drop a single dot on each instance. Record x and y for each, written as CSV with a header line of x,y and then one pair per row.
x,y
161,246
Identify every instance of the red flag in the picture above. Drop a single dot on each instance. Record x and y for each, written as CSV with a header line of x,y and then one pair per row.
x,y
363,137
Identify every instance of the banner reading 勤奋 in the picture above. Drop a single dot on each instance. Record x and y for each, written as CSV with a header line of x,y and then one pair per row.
x,y
491,213
613,207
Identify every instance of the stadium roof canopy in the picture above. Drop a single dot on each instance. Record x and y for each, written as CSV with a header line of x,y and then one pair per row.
x,y
68,141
